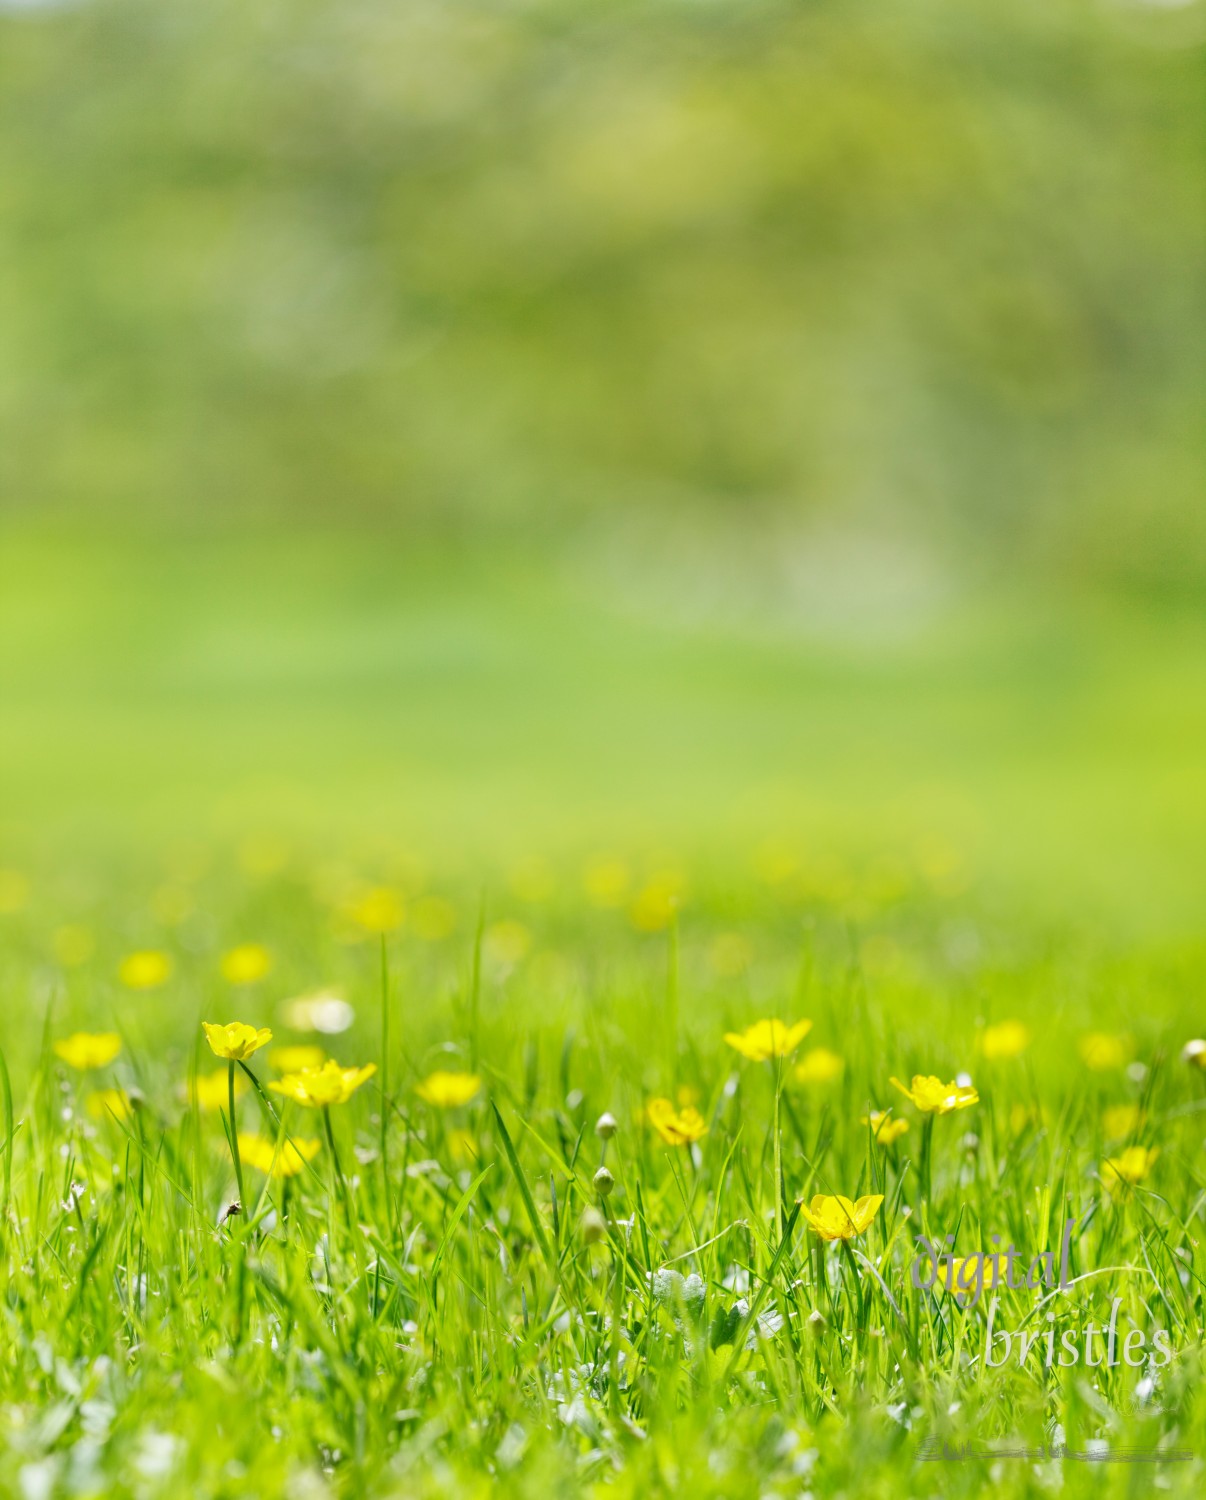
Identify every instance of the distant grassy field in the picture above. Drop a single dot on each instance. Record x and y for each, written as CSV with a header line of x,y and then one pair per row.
x,y
511,820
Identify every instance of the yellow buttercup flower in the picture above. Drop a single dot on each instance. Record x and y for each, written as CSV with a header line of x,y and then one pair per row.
x,y
1101,1050
145,970
297,1058
933,1097
1121,1120
103,1103
677,1127
212,1090
378,910
837,1218
819,1065
235,1041
284,1160
1128,1167
766,1039
887,1129
1005,1040
246,963
316,1088
87,1050
447,1090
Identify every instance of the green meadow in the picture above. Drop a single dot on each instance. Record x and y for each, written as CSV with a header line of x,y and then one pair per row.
x,y
602,749
505,821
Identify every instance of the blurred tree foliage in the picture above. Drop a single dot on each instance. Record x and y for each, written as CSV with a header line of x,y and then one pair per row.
x,y
934,267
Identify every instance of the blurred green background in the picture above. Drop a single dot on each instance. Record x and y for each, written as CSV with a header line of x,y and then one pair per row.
x,y
538,427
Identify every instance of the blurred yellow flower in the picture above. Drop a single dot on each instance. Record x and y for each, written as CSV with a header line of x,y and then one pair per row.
x,y
86,1050
1101,1050
506,942
1121,1120
145,970
766,1039
235,1041
933,1097
432,918
1003,1041
378,910
462,1145
837,1218
212,1090
1129,1166
297,1059
316,1088
14,891
285,1160
246,963
656,904
819,1065
987,1274
676,1127
447,1090
887,1129
1021,1115
607,882
102,1103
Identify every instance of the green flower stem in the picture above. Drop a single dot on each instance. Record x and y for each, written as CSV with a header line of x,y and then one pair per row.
x,y
234,1136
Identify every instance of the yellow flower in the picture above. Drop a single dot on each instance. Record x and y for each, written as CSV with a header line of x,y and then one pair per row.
x,y
677,1127
1129,1166
1101,1050
1023,1115
606,882
766,1039
655,906
145,970
378,910
887,1129
1121,1120
447,1090
837,1218
318,1087
819,1066
933,1097
298,1058
14,890
1005,1040
235,1041
85,1050
212,1090
103,1103
246,963
285,1160
993,1269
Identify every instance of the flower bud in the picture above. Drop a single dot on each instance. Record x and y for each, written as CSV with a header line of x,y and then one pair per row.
x,y
815,1322
604,1182
606,1126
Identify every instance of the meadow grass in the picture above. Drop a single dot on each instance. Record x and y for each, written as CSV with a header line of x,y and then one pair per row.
x,y
442,1300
